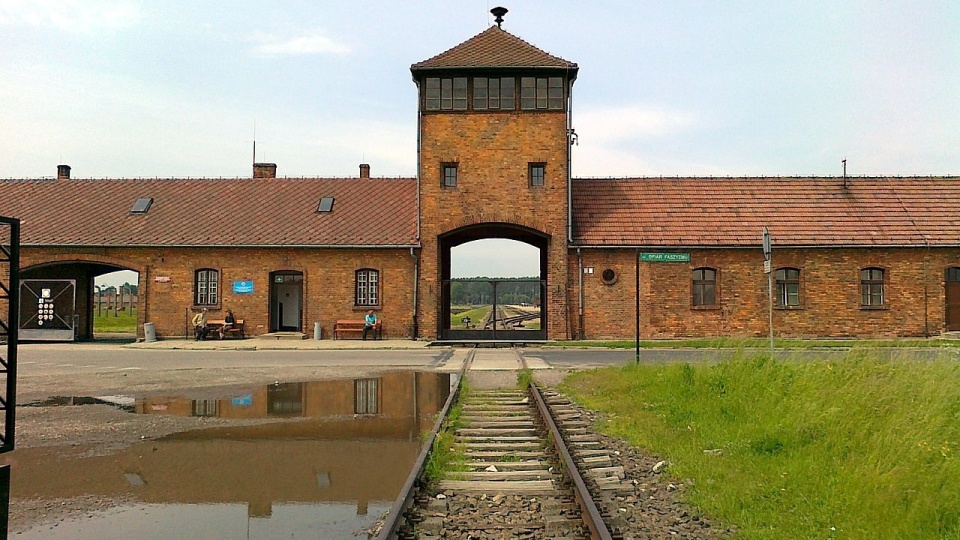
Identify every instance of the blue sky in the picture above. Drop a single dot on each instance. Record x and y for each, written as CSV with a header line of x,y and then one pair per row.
x,y
123,88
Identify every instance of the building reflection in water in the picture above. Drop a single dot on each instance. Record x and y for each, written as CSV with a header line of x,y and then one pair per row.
x,y
348,441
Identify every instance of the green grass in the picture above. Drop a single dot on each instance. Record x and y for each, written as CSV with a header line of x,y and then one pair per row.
x,y
107,323
524,378
760,343
859,448
446,455
477,316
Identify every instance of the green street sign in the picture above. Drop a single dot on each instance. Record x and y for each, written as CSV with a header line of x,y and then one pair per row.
x,y
665,257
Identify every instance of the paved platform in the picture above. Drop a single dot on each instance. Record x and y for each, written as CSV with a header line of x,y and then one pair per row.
x,y
495,360
257,344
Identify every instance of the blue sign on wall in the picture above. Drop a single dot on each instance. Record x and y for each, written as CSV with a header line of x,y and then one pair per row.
x,y
242,401
242,287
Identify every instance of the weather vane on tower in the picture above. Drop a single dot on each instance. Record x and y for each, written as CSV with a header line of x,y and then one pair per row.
x,y
499,12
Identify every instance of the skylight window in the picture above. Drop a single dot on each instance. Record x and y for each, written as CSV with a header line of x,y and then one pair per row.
x,y
325,206
142,205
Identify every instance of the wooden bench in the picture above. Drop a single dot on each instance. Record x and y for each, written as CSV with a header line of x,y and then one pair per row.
x,y
343,327
215,326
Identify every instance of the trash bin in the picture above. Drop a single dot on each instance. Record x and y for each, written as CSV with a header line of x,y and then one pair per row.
x,y
149,332
316,331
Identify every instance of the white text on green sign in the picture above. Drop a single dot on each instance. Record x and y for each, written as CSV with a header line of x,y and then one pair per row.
x,y
665,257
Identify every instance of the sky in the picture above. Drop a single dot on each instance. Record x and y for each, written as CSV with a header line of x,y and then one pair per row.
x,y
125,88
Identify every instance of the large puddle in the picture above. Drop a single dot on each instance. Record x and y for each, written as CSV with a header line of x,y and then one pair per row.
x,y
329,474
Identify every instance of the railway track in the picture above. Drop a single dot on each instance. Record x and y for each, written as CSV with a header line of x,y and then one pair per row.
x,y
531,464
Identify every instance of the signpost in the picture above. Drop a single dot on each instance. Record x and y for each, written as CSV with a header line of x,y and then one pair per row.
x,y
654,258
767,269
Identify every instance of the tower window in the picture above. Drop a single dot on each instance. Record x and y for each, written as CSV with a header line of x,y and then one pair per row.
x,y
541,93
494,93
445,94
537,174
432,94
449,172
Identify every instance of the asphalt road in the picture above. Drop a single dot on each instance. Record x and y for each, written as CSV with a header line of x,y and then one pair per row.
x,y
51,368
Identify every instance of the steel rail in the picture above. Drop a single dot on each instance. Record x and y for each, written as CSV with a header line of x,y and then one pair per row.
x,y
395,518
590,513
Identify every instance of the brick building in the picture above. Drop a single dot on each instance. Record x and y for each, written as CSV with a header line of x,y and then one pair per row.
x,y
851,256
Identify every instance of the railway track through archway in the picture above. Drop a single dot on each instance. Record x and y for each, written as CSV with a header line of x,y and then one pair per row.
x,y
530,463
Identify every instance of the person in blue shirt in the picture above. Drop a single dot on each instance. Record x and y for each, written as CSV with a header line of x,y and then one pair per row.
x,y
369,320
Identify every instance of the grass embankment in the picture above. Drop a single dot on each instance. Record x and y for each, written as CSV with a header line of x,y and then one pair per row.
x,y
859,448
124,322
761,343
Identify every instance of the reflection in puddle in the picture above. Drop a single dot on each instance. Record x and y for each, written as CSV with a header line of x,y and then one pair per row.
x,y
330,474
166,521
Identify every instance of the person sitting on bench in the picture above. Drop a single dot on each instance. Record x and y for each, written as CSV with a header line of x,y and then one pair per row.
x,y
200,325
369,320
229,323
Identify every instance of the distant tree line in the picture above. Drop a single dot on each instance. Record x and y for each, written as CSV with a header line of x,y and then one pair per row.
x,y
480,292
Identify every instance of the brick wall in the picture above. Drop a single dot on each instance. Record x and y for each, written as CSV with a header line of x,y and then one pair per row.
x,y
328,285
493,151
829,294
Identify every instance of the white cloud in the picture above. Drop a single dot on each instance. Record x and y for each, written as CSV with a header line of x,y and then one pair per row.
x,y
612,124
313,43
70,15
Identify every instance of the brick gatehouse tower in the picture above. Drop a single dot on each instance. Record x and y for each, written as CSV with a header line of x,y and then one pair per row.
x,y
494,162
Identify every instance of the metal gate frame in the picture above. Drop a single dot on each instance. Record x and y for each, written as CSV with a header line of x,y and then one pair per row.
x,y
517,336
9,327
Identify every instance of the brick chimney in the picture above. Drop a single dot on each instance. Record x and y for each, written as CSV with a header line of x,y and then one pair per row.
x,y
264,170
63,172
364,170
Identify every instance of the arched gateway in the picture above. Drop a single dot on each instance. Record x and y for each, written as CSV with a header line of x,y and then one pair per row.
x,y
500,309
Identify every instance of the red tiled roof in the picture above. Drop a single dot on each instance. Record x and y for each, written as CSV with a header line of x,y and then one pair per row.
x,y
798,211
194,212
494,48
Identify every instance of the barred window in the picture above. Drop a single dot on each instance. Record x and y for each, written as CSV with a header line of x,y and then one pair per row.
x,y
788,287
368,287
206,287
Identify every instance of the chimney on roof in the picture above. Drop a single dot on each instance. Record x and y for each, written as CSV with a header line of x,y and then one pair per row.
x,y
264,170
63,172
364,170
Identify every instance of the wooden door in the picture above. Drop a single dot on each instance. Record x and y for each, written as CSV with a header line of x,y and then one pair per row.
x,y
952,286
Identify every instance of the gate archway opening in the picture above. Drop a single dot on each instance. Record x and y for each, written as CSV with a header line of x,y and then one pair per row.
x,y
493,284
59,301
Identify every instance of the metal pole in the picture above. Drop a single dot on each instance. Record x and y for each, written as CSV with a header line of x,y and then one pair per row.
x,y
637,263
770,298
768,269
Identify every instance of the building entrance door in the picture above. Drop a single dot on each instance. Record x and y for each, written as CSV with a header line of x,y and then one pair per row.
x,y
952,283
286,301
